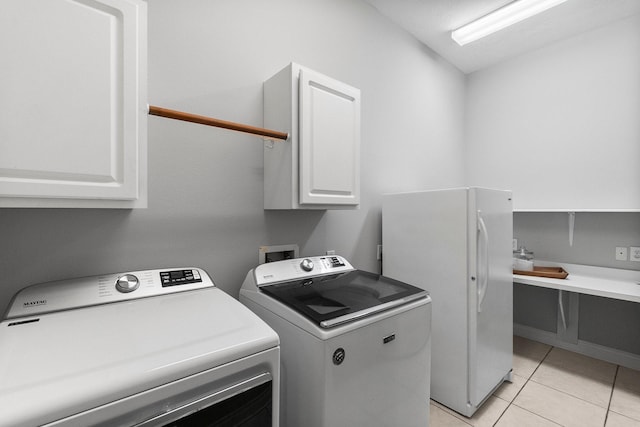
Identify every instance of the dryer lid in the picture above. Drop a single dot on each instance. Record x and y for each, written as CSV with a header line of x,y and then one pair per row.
x,y
334,299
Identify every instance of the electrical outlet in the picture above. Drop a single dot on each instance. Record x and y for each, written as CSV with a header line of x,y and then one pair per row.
x,y
330,252
514,244
379,252
621,253
634,253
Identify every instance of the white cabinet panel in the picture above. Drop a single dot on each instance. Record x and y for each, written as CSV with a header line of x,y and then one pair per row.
x,y
73,101
329,148
318,167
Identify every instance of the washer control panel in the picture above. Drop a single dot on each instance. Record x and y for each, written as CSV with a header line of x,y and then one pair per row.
x,y
108,288
180,277
293,269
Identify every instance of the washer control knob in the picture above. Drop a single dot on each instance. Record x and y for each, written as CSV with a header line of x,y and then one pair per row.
x,y
306,264
127,283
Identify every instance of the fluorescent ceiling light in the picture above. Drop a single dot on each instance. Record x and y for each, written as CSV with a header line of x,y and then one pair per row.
x,y
501,18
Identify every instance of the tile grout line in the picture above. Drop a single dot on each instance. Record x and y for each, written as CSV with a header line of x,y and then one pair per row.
x,y
451,412
538,415
523,385
502,413
571,395
607,409
613,386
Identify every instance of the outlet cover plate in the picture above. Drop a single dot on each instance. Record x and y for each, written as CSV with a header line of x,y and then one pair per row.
x,y
621,253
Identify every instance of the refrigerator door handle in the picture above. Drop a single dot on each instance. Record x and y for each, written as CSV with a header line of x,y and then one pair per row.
x,y
483,249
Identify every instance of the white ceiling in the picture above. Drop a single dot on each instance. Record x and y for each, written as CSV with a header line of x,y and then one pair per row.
x,y
431,22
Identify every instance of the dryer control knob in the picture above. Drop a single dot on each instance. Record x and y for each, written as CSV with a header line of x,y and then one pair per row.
x,y
127,283
306,264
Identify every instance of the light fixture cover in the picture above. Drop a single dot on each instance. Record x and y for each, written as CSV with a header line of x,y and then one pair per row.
x,y
501,18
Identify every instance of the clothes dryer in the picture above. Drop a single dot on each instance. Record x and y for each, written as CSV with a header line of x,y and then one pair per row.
x,y
142,348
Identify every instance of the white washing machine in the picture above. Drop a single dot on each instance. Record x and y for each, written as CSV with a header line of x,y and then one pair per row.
x,y
355,346
144,348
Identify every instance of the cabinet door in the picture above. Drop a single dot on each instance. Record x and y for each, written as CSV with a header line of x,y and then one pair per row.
x,y
73,102
329,141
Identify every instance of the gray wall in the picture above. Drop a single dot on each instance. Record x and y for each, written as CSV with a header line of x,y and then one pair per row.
x,y
602,321
205,185
563,120
596,235
559,125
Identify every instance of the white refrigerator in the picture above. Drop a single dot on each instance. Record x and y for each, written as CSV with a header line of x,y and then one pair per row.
x,y
457,245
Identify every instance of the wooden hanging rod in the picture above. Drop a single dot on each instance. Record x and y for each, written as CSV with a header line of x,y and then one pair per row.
x,y
210,121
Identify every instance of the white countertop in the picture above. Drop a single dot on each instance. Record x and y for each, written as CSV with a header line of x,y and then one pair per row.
x,y
604,282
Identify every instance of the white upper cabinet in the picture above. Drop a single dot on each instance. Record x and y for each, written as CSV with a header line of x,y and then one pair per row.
x,y
73,98
318,167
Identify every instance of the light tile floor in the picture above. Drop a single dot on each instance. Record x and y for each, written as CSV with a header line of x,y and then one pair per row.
x,y
554,387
